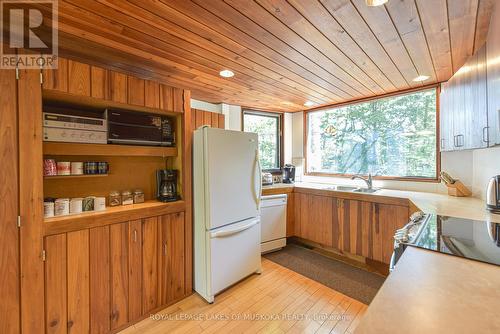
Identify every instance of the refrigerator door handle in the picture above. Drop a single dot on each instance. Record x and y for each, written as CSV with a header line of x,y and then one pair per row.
x,y
221,234
258,171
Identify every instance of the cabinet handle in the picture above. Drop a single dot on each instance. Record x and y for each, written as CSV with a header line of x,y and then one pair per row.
x,y
486,134
442,143
455,141
135,235
460,142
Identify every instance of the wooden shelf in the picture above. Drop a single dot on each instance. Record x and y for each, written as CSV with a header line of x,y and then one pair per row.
x,y
112,215
53,177
55,148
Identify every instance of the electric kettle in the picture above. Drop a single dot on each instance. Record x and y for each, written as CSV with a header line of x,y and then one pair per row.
x,y
493,194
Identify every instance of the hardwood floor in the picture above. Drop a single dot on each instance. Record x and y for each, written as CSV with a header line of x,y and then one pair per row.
x,y
277,301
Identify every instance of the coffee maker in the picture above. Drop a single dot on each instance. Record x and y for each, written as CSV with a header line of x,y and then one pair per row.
x,y
288,173
493,194
166,185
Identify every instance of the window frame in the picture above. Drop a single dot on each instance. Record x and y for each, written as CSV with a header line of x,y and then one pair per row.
x,y
435,179
279,129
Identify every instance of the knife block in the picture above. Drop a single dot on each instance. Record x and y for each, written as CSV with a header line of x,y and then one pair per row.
x,y
458,189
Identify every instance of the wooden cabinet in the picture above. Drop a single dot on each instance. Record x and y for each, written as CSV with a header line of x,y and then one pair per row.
x,y
463,106
202,117
356,227
92,81
171,258
9,192
493,70
386,220
100,279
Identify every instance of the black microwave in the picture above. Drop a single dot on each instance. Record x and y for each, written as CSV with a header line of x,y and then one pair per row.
x,y
139,128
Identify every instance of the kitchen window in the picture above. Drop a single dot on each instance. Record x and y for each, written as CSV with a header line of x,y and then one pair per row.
x,y
392,137
268,127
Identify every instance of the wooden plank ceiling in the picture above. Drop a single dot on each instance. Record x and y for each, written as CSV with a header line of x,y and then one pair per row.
x,y
283,52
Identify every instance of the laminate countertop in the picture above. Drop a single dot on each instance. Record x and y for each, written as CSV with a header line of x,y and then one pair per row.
x,y
429,292
441,204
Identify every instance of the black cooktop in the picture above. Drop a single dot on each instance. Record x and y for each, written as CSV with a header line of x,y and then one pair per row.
x,y
471,239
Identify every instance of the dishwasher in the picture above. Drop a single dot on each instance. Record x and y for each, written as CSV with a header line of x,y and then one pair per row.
x,y
273,222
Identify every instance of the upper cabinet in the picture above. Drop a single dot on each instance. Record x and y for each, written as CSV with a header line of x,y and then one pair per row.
x,y
470,100
493,65
463,109
80,79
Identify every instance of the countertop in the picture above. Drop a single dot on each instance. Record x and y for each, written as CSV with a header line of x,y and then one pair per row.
x,y
442,204
430,292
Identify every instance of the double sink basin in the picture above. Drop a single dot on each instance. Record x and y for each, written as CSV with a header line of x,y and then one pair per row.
x,y
353,189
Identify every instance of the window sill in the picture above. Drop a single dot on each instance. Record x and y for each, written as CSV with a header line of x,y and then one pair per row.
x,y
384,178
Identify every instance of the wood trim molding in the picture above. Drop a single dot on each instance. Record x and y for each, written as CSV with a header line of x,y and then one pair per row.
x,y
376,97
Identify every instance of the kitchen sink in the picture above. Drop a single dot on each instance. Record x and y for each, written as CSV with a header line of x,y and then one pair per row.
x,y
343,188
365,190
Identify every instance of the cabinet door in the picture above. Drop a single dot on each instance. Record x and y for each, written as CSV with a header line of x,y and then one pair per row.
x,y
446,119
55,284
356,228
100,289
493,68
119,274
78,78
135,269
172,270
386,220
150,264
57,79
9,192
290,215
475,105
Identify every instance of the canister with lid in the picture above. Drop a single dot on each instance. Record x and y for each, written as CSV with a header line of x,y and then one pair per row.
x,y
75,205
61,207
115,198
138,196
127,197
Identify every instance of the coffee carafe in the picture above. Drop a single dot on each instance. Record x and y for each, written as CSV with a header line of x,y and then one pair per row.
x,y
166,185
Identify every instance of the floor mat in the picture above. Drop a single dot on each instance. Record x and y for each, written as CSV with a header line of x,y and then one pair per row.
x,y
351,281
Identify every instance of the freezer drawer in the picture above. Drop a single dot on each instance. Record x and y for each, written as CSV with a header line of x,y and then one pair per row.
x,y
235,253
273,222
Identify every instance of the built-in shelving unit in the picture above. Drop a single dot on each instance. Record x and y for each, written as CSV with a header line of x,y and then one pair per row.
x,y
111,215
55,148
73,176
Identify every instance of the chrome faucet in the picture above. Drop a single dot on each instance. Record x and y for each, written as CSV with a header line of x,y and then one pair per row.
x,y
368,180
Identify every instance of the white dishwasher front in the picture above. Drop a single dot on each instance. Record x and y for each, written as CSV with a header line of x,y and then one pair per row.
x,y
273,222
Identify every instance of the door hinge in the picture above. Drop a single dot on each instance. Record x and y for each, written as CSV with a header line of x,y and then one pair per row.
x,y
17,73
44,255
18,221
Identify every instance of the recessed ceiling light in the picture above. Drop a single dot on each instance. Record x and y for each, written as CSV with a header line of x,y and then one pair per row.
x,y
308,103
421,78
373,3
226,73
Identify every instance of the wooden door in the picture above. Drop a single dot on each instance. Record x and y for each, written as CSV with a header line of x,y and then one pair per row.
x,y
290,215
9,192
446,120
135,269
119,241
55,284
29,104
386,220
100,288
356,217
171,269
493,77
150,248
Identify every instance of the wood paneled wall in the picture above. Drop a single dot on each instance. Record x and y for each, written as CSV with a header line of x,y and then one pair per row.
x,y
202,117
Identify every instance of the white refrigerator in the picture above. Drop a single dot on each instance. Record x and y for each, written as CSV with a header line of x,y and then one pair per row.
x,y
226,194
